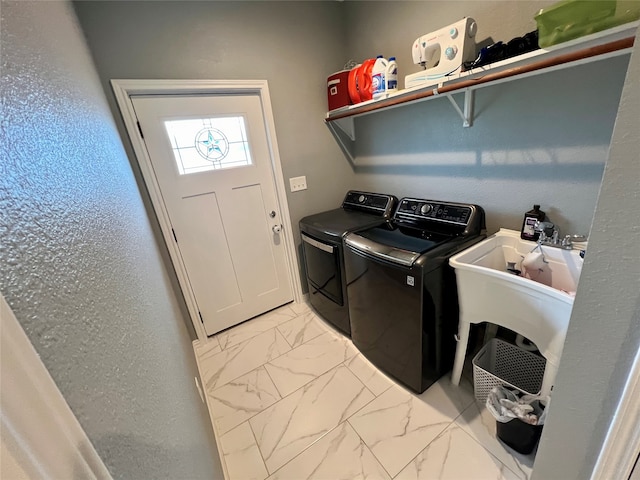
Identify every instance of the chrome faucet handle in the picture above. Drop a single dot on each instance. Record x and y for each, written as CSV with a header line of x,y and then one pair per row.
x,y
570,242
547,230
543,226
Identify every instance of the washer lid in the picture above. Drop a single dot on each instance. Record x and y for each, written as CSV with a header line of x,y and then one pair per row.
x,y
393,245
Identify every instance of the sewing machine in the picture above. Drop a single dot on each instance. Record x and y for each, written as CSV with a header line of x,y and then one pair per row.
x,y
441,53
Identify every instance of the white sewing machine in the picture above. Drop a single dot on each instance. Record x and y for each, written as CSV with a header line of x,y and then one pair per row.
x,y
442,52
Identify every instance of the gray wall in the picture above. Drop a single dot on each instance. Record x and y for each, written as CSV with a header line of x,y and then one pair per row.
x,y
293,45
79,265
522,149
604,333
545,140
389,28
81,271
540,140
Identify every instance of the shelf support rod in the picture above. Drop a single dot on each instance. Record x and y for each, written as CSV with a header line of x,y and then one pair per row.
x,y
467,114
469,100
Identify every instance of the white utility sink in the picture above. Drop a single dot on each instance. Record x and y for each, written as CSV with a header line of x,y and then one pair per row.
x,y
536,304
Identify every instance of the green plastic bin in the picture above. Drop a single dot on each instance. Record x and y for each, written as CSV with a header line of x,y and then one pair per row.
x,y
570,19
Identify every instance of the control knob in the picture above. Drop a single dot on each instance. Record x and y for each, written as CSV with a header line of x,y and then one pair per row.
x,y
361,199
450,52
426,208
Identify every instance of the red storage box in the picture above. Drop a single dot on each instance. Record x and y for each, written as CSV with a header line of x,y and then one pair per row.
x,y
338,90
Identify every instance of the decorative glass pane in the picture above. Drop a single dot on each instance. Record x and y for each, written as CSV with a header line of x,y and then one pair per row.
x,y
203,144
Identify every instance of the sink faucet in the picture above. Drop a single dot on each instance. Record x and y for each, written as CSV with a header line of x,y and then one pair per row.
x,y
547,233
550,236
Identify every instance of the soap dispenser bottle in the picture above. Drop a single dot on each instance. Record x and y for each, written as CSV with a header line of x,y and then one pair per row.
x,y
528,231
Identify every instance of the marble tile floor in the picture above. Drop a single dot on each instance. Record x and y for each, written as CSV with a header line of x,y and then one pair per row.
x,y
291,398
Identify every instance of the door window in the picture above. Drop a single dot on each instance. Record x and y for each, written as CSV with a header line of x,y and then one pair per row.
x,y
212,143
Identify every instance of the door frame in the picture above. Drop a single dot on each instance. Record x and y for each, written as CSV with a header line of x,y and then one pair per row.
x,y
124,89
50,443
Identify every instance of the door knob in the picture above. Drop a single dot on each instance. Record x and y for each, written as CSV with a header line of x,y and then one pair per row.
x,y
276,228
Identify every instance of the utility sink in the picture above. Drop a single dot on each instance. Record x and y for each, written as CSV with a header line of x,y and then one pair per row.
x,y
536,304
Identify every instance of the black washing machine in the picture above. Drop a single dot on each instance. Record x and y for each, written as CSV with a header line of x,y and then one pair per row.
x,y
322,236
402,293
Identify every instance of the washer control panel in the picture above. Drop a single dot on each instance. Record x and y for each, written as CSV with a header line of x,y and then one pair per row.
x,y
413,209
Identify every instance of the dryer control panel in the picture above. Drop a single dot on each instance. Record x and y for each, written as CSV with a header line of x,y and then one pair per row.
x,y
377,203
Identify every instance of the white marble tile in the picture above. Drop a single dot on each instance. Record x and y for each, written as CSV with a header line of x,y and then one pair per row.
x,y
397,425
447,398
222,367
339,454
304,435
292,424
251,328
242,398
454,455
241,454
367,373
301,329
308,361
208,346
300,308
478,422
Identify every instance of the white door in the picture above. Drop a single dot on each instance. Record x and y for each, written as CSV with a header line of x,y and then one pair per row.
x,y
210,155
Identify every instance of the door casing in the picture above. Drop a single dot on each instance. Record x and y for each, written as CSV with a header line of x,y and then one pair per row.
x,y
124,89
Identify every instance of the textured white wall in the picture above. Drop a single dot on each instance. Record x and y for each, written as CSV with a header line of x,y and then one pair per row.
x,y
79,265
540,140
604,333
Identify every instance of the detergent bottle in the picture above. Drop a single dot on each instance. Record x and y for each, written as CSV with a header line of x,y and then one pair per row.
x,y
392,75
378,78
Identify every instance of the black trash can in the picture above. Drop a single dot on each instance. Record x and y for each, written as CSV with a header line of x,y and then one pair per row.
x,y
519,435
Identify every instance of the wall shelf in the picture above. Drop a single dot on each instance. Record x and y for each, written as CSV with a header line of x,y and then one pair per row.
x,y
598,46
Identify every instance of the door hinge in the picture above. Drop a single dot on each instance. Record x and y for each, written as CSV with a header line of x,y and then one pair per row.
x,y
174,235
201,320
140,129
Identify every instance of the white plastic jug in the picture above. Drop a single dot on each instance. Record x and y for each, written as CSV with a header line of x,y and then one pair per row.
x,y
378,78
392,75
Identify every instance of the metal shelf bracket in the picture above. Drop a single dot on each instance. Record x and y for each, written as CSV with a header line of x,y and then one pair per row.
x,y
467,114
347,125
346,146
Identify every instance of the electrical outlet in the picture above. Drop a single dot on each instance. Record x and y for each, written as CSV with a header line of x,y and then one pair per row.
x,y
298,183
